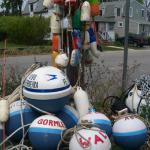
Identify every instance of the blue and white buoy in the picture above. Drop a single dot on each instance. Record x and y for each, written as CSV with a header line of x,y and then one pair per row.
x,y
45,132
14,121
98,119
130,133
69,116
47,88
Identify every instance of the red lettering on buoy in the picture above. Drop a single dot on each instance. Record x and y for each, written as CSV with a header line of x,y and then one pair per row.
x,y
98,139
102,134
62,124
85,144
50,122
56,123
40,121
45,122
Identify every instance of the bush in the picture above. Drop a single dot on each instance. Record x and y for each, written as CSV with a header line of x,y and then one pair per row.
x,y
24,30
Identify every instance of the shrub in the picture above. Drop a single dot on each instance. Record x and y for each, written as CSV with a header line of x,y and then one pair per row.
x,y
24,30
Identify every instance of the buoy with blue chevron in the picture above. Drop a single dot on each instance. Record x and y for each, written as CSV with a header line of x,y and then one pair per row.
x,y
69,116
45,132
98,119
20,114
47,88
130,132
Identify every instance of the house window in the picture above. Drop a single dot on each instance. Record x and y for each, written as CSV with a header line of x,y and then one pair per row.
x,y
31,7
111,26
102,11
120,24
117,12
131,12
142,12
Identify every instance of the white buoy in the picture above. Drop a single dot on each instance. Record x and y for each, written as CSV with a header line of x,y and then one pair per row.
x,y
90,139
86,11
1,133
55,23
4,110
47,88
81,101
134,101
48,3
61,60
130,132
75,57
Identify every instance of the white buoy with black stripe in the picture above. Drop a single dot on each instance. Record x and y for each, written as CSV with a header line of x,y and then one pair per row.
x,y
47,88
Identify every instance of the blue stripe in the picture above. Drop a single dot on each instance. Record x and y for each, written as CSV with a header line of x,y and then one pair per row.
x,y
71,114
106,122
19,111
45,130
130,133
47,90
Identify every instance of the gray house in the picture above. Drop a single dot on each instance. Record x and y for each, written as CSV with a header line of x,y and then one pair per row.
x,y
111,22
35,7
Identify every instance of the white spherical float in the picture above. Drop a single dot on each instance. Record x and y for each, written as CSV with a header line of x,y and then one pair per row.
x,y
98,119
47,88
45,132
15,120
90,139
69,116
134,100
130,133
1,133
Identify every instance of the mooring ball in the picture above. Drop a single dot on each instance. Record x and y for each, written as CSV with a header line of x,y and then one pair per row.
x,y
45,132
98,119
47,88
14,122
130,132
69,116
90,139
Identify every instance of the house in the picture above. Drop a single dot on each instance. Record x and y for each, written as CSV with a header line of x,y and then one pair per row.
x,y
111,22
35,7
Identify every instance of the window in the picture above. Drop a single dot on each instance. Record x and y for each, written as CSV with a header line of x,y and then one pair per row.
x,y
31,7
111,26
142,12
131,12
117,12
120,24
102,11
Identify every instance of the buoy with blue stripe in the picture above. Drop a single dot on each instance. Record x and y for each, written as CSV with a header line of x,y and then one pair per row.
x,y
130,133
69,116
90,139
1,133
47,88
45,132
14,121
98,119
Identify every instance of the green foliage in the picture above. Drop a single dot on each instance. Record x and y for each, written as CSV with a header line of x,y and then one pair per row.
x,y
24,30
141,1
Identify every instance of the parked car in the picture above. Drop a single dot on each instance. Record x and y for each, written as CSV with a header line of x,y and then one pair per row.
x,y
137,40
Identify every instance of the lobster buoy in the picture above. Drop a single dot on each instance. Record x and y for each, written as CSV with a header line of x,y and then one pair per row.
x,y
15,120
98,119
76,43
93,43
61,60
81,101
95,9
65,23
55,23
134,100
86,11
47,88
75,57
53,56
76,22
59,2
56,42
1,132
48,3
90,139
45,132
69,116
70,2
130,132
4,110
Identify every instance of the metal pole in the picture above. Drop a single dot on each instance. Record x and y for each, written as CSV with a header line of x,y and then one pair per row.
x,y
124,76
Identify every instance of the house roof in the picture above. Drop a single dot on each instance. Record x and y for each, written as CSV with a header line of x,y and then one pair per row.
x,y
102,19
